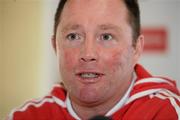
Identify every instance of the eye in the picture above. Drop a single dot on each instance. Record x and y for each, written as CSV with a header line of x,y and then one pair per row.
x,y
106,37
73,36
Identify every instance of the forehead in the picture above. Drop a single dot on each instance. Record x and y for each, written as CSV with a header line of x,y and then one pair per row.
x,y
93,4
106,8
93,13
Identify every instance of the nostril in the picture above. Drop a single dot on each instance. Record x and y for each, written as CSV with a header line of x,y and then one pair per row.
x,y
88,55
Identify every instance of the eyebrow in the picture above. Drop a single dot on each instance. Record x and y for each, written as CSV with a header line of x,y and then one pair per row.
x,y
71,27
101,27
109,26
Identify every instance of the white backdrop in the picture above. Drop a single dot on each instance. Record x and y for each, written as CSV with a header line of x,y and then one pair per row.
x,y
163,13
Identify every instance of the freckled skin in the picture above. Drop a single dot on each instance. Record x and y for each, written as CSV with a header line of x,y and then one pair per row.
x,y
115,59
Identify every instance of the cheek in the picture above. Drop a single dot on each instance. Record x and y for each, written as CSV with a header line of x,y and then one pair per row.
x,y
113,59
118,60
68,59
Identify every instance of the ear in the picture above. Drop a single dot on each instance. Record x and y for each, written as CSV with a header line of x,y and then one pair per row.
x,y
53,43
139,47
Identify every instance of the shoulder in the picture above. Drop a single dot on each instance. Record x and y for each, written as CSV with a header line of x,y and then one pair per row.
x,y
168,105
152,107
42,108
155,98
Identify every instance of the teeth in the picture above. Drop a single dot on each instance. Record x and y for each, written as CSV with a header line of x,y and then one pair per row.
x,y
89,75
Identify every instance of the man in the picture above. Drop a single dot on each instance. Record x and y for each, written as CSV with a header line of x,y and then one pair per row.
x,y
98,44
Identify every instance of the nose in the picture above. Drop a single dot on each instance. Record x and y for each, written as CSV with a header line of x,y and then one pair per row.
x,y
89,52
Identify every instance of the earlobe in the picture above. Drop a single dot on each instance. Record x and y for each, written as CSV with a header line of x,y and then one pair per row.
x,y
53,43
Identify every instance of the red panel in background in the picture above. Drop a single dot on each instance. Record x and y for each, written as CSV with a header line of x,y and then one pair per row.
x,y
155,39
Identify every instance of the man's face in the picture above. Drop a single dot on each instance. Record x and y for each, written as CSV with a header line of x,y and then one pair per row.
x,y
94,49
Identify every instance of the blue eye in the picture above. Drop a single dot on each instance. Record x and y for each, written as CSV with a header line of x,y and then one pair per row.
x,y
106,37
73,36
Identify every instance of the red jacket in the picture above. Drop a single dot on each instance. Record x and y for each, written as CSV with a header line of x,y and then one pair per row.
x,y
152,98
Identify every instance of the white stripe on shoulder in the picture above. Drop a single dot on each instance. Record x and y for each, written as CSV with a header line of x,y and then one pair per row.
x,y
142,94
172,101
170,94
31,103
154,80
160,93
36,103
59,102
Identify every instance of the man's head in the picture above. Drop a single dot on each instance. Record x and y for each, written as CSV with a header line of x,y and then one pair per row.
x,y
133,16
95,51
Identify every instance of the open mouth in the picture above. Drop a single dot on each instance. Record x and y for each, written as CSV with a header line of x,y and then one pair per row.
x,y
89,75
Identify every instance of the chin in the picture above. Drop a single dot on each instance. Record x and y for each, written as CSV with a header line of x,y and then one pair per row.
x,y
89,95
